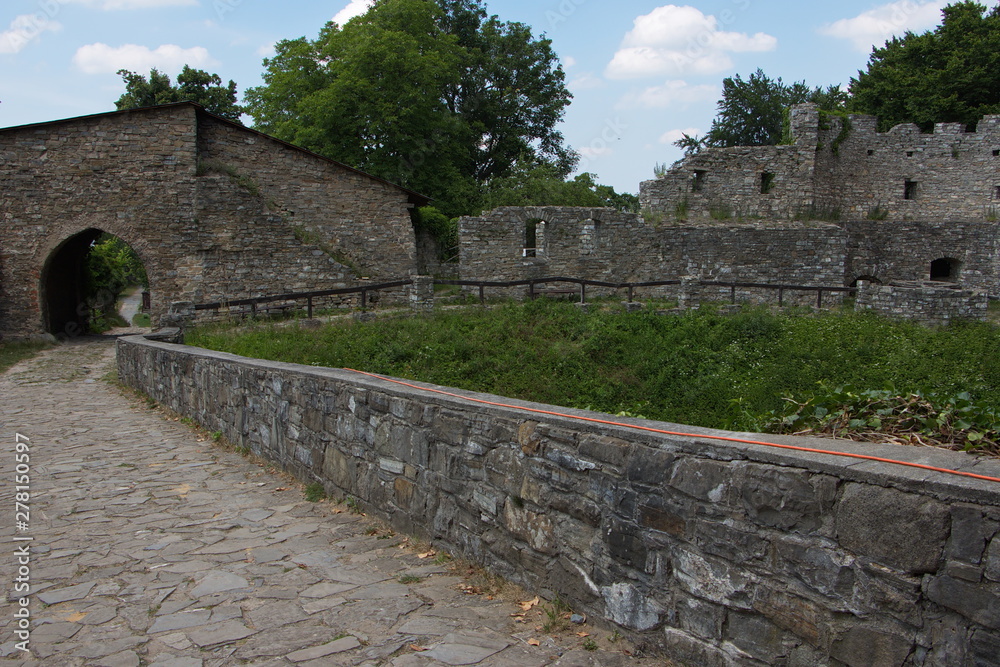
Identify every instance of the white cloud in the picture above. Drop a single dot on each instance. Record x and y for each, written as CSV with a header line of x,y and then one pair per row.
x,y
876,26
676,135
568,61
23,29
677,40
102,59
131,4
266,50
669,94
354,8
585,81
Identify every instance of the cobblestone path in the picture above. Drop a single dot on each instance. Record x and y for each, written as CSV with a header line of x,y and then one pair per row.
x,y
153,546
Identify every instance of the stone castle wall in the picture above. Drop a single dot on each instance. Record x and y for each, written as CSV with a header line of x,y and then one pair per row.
x,y
608,245
842,172
214,210
709,552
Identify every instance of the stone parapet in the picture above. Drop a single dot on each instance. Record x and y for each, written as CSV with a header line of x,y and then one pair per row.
x,y
710,552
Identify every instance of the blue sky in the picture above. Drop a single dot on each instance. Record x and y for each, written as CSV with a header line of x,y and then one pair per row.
x,y
641,71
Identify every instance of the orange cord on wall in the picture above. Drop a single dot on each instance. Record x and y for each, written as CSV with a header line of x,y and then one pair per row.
x,y
812,450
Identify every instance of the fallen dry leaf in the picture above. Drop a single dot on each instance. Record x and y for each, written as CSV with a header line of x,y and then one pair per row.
x,y
281,488
529,604
534,642
418,649
426,555
583,634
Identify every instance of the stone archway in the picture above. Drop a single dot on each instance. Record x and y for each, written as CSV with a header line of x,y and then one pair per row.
x,y
64,299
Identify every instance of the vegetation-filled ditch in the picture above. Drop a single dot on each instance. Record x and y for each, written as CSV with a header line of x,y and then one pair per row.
x,y
753,371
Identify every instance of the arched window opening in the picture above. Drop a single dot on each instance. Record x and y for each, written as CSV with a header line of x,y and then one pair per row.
x,y
945,269
94,282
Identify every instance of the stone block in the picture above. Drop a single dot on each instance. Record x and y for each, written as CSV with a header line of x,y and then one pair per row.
x,y
611,451
756,636
629,607
968,534
687,650
537,530
825,570
529,439
804,618
655,516
985,648
867,647
902,530
713,579
788,500
993,560
709,481
702,619
649,466
975,602
625,543
728,541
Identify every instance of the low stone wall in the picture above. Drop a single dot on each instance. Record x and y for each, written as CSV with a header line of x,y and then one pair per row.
x,y
707,551
927,303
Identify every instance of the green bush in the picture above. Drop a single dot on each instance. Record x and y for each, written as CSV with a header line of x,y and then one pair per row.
x,y
699,368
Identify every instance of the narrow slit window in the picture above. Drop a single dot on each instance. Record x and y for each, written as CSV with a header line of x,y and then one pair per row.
x,y
766,182
910,190
909,153
996,152
996,192
531,238
871,152
698,184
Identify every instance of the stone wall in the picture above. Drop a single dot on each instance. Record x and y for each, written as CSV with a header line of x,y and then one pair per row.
x,y
215,211
707,551
607,245
928,303
833,171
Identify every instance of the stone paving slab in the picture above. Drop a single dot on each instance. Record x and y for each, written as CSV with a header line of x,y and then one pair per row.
x,y
152,546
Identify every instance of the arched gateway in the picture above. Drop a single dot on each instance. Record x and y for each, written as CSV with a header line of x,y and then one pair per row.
x,y
215,211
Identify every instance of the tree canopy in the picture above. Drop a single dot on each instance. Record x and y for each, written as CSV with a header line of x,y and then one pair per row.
x,y
751,112
432,94
193,85
950,74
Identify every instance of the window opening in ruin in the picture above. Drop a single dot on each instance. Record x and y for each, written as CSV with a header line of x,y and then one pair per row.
x,y
699,180
766,182
534,238
871,152
945,269
996,153
909,153
996,193
910,189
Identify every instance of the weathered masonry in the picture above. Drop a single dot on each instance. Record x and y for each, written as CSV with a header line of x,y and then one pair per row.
x,y
841,203
713,553
215,211
842,168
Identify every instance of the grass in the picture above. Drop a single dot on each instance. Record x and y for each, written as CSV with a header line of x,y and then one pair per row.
x,y
700,368
15,351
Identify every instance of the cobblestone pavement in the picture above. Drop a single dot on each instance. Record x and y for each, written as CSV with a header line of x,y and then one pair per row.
x,y
154,546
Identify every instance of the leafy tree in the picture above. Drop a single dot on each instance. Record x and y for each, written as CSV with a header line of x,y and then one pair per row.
x,y
110,268
432,94
751,112
544,185
950,74
193,85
